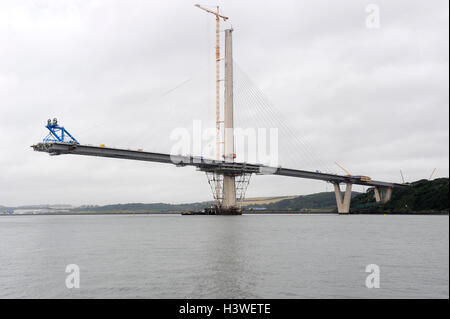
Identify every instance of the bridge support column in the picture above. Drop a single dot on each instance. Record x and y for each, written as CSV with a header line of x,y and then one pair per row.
x,y
229,192
343,204
229,183
382,194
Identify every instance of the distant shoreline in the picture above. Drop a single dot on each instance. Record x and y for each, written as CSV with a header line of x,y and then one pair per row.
x,y
430,213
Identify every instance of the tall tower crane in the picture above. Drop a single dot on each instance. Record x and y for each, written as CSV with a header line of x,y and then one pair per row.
x,y
217,178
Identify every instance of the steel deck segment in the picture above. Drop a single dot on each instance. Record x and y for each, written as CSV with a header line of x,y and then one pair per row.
x,y
332,178
64,148
202,164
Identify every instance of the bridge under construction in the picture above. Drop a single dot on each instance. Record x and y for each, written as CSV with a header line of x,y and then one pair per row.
x,y
228,179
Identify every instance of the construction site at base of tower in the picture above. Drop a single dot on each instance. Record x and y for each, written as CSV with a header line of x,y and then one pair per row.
x,y
228,187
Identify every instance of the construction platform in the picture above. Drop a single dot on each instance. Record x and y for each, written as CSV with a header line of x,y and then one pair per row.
x,y
215,210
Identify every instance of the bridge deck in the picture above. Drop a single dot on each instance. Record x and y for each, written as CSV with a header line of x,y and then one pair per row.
x,y
55,148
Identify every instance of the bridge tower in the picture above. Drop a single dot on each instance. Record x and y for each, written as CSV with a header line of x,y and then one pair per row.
x,y
382,194
229,182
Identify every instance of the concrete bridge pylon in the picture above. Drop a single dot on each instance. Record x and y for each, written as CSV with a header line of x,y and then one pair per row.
x,y
382,194
343,204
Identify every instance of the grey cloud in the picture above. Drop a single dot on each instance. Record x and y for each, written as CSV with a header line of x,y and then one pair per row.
x,y
374,100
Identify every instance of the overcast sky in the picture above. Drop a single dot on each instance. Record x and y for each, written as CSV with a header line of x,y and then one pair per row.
x,y
127,73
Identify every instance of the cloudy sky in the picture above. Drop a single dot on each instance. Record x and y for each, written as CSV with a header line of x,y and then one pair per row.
x,y
127,73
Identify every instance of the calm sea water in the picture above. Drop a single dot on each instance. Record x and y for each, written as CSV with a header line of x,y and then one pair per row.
x,y
257,256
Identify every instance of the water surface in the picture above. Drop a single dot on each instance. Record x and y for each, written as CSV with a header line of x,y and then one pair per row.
x,y
250,256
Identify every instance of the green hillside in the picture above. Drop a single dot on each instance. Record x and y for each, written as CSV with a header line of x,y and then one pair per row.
x,y
324,200
422,195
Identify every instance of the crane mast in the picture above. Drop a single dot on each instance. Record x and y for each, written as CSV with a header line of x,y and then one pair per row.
x,y
432,174
218,121
340,166
219,180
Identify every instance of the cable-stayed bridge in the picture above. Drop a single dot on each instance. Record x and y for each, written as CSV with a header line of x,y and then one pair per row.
x,y
228,179
383,190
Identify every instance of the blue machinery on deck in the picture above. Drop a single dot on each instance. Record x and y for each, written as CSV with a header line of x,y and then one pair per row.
x,y
58,133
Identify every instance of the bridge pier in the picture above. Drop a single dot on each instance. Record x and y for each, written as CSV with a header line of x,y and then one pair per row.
x,y
343,204
229,183
229,192
382,194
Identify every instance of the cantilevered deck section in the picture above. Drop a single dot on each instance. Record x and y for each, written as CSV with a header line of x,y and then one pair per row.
x,y
208,165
